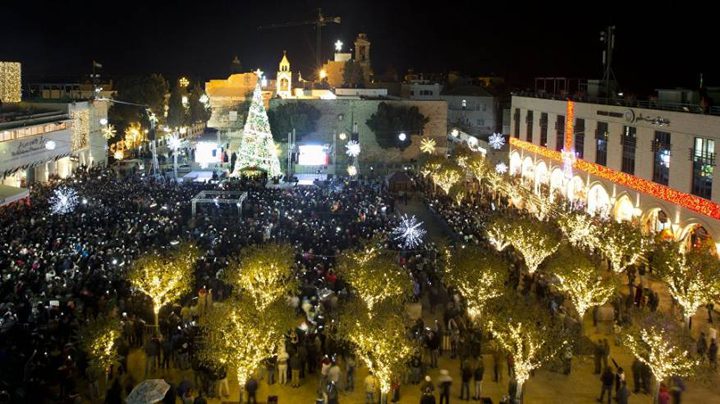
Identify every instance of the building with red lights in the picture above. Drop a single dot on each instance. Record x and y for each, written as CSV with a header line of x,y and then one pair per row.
x,y
652,163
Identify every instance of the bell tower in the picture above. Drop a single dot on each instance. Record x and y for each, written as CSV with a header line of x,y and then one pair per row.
x,y
362,49
283,84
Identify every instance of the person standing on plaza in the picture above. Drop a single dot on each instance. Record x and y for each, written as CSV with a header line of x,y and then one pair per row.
x,y
636,375
597,354
607,378
605,353
712,354
295,364
445,382
466,375
623,394
663,394
251,386
282,361
478,378
371,386
677,388
350,373
701,347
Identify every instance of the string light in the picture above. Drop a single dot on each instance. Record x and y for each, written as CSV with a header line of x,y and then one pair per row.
x,y
579,229
352,170
98,339
257,148
379,340
264,272
374,277
622,244
498,233
534,240
692,278
80,128
10,82
409,231
479,276
164,278
580,280
651,346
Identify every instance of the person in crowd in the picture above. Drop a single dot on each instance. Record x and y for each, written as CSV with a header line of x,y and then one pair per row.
x,y
607,379
444,385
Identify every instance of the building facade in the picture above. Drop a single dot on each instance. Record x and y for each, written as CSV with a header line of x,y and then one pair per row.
x,y
39,141
651,166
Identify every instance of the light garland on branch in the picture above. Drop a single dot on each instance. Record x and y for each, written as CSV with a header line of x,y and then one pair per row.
x,y
264,272
579,229
534,240
98,338
164,278
693,278
580,281
478,275
622,244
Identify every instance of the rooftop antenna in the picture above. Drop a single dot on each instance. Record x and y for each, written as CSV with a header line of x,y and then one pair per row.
x,y
608,37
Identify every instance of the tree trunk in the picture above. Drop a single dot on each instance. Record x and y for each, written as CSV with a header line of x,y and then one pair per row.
x,y
518,393
156,311
688,320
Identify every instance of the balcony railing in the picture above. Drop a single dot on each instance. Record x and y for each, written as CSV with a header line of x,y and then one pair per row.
x,y
630,103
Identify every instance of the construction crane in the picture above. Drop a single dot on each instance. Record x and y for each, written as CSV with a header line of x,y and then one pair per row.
x,y
319,22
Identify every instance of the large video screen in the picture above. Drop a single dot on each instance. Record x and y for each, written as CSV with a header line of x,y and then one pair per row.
x,y
313,155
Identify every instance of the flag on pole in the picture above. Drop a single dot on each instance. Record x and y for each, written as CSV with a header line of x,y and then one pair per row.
x,y
96,64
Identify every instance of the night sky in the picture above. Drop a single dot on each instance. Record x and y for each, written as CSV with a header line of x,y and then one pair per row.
x,y
660,45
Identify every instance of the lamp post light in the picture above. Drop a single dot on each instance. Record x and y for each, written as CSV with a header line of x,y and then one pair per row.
x,y
402,136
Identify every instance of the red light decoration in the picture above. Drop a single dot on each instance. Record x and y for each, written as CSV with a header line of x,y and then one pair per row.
x,y
692,202
569,126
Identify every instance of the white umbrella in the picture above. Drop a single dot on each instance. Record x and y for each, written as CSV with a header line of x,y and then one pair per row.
x,y
149,391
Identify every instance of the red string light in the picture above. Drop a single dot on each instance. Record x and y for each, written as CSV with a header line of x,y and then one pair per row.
x,y
692,202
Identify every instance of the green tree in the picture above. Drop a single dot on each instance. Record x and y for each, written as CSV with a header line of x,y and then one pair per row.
x,y
353,75
527,332
389,121
176,110
580,280
623,244
198,111
478,274
693,278
302,116
145,90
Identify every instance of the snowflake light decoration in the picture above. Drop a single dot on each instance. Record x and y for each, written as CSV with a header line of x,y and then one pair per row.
x,y
352,171
501,168
174,142
353,148
409,231
109,132
496,141
63,201
427,146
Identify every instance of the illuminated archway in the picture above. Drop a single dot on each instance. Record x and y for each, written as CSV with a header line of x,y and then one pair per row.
x,y
623,209
515,163
656,221
541,173
528,168
696,236
576,189
556,180
598,201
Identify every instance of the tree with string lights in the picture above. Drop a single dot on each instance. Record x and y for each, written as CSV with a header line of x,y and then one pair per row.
x,y
527,333
622,244
164,277
374,276
378,337
534,240
447,175
263,272
238,335
693,278
98,339
580,280
664,347
579,229
480,277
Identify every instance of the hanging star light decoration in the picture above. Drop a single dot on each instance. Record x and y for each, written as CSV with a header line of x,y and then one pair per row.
x,y
501,168
496,141
109,132
353,148
63,201
409,231
428,145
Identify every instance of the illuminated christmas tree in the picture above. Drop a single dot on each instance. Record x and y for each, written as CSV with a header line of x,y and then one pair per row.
x,y
257,149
